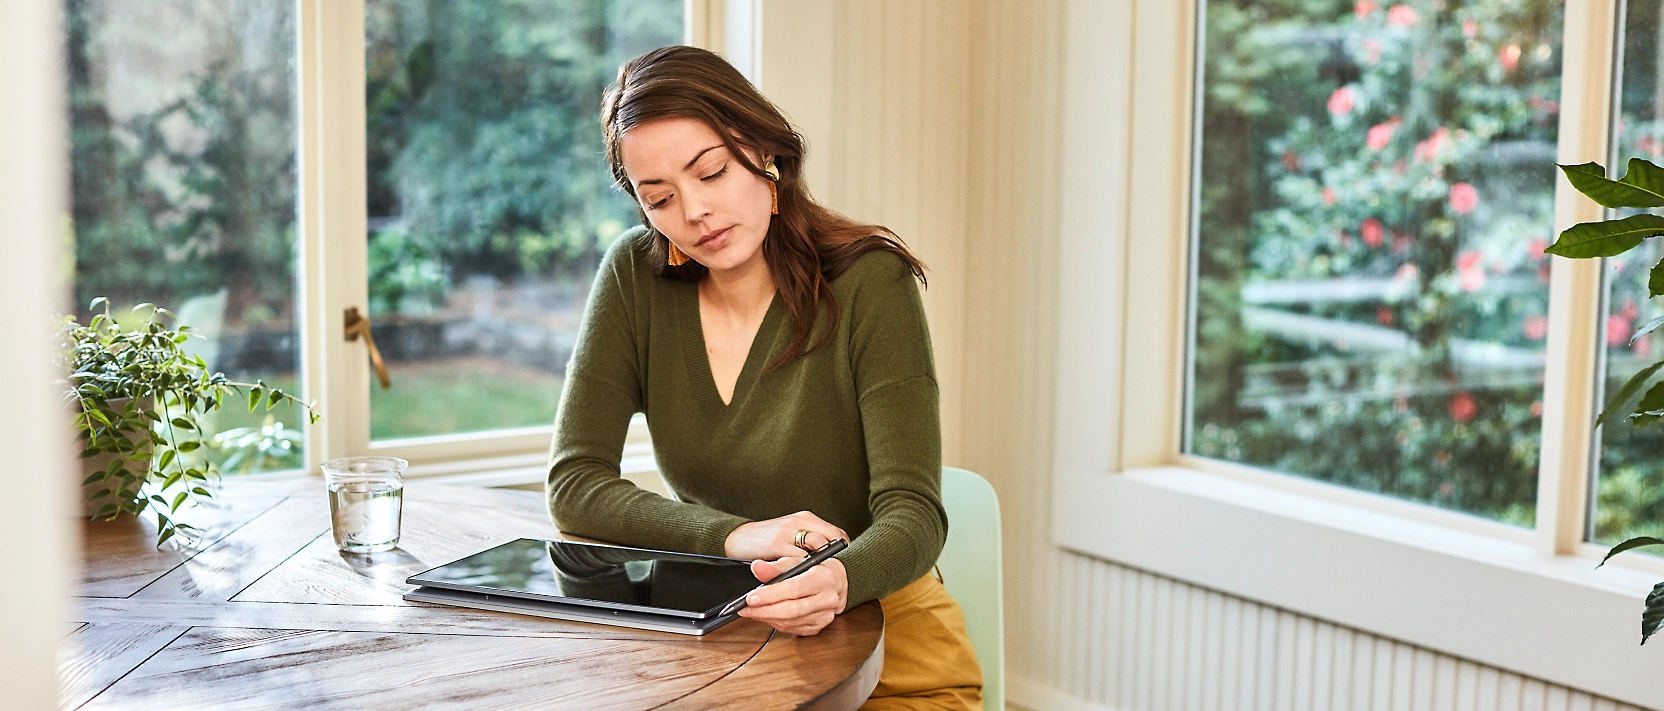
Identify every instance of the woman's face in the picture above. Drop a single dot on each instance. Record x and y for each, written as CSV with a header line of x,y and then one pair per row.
x,y
696,193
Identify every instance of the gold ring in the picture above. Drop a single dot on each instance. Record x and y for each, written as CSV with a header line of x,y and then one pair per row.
x,y
801,540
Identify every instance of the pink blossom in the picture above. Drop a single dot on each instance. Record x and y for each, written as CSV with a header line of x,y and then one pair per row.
x,y
1402,15
1370,232
1617,330
1462,407
1510,57
1340,102
1363,8
1534,249
1400,242
1629,309
1463,198
1429,149
1380,135
1470,274
1383,315
1372,51
1643,347
1536,408
1470,29
1329,197
1406,272
1535,327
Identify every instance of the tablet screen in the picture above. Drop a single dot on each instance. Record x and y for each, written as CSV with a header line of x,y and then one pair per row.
x,y
604,576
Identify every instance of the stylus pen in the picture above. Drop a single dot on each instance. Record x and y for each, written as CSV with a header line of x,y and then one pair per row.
x,y
820,556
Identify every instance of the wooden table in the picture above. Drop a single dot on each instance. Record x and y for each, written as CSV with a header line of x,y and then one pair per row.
x,y
266,613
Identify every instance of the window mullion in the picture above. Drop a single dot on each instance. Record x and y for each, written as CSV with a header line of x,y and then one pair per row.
x,y
1572,350
332,205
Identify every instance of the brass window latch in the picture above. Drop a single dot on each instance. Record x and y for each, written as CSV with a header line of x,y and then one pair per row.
x,y
359,325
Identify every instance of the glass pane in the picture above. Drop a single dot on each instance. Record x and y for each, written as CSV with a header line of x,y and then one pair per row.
x,y
1376,187
182,140
1629,489
490,198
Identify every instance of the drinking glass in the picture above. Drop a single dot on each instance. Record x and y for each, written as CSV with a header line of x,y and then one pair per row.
x,y
366,501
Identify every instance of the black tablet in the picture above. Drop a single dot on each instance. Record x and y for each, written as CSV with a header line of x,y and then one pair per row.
x,y
633,580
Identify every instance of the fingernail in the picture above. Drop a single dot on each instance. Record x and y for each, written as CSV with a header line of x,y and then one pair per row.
x,y
753,600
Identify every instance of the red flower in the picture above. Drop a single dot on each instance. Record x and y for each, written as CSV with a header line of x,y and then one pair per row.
x,y
1462,407
1469,28
1372,51
1429,149
1370,232
1463,198
1329,197
1535,248
1363,8
1617,330
1402,15
1535,327
1381,134
1383,315
1536,408
1470,274
1340,102
1510,57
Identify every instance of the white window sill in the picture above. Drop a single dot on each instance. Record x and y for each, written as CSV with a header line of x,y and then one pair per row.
x,y
1489,598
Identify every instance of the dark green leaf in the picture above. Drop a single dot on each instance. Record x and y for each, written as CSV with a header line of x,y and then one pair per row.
x,y
1627,391
1655,280
165,460
183,423
276,397
195,473
177,500
172,479
1606,239
199,491
166,533
1590,179
95,476
106,511
1631,544
189,446
1652,616
1644,175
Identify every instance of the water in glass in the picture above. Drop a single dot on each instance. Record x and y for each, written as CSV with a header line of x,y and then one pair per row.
x,y
366,502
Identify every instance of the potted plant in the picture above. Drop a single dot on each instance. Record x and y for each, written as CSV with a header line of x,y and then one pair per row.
x,y
1642,186
137,396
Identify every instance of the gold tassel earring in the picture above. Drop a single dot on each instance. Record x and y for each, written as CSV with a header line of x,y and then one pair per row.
x,y
773,192
675,257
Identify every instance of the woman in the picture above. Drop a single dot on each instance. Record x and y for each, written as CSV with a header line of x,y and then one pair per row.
x,y
780,353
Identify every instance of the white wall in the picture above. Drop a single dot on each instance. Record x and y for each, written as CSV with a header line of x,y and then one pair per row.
x,y
38,529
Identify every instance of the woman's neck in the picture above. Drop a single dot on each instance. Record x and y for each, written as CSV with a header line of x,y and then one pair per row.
x,y
745,290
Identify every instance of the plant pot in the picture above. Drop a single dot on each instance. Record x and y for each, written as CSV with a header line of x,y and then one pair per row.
x,y
91,501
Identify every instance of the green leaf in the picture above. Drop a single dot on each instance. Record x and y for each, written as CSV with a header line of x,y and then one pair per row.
x,y
1627,391
184,423
276,397
1650,325
1590,179
166,533
172,479
1631,544
199,491
1652,616
1606,239
106,511
95,476
165,460
189,446
177,501
97,303
195,473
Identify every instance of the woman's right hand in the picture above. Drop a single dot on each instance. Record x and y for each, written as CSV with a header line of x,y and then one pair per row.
x,y
772,539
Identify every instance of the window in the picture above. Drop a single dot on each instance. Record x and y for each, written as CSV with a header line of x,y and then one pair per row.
x,y
1628,495
218,172
182,121
490,200
1371,298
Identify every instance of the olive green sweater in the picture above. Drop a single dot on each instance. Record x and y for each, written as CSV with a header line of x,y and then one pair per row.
x,y
850,431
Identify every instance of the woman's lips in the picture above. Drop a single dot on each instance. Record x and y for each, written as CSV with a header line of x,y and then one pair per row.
x,y
717,236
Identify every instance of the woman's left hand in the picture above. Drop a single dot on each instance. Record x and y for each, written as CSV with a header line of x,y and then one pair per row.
x,y
803,605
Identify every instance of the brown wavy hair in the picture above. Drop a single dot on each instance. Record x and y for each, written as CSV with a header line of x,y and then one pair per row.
x,y
808,244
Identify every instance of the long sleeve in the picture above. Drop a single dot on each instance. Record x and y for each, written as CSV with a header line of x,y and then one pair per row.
x,y
899,402
604,387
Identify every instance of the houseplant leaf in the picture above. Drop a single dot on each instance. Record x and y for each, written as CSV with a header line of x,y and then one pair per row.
x,y
1648,328
1631,544
1627,391
1652,616
1590,179
1606,239
1655,280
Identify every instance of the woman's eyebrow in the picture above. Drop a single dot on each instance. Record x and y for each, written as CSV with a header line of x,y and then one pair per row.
x,y
689,166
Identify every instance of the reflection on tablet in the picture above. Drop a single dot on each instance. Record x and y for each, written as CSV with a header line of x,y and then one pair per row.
x,y
602,576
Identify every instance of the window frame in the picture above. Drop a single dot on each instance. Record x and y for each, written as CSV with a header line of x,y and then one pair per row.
x,y
332,272
1124,489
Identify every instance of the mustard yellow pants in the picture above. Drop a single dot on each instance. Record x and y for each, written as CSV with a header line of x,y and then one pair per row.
x,y
928,659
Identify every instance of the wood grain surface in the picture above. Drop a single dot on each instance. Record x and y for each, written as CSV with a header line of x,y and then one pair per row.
x,y
265,613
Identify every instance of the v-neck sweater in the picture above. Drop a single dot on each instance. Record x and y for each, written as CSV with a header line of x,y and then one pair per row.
x,y
849,431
